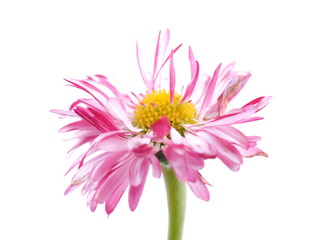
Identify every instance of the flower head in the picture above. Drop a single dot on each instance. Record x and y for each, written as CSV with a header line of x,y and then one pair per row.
x,y
127,135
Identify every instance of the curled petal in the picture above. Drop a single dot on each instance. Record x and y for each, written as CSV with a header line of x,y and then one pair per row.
x,y
238,80
252,150
240,115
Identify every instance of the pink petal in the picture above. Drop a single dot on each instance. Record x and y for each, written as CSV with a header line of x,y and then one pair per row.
x,y
230,134
104,80
113,143
110,161
105,120
156,166
184,164
254,139
252,152
176,138
140,147
75,163
91,201
243,113
169,57
198,143
229,85
138,170
136,191
81,142
191,86
204,144
113,181
143,75
192,61
85,114
209,93
161,47
156,58
161,128
225,72
250,119
119,109
64,113
224,150
238,83
94,147
71,188
81,124
94,91
83,172
84,134
194,66
172,78
177,161
114,199
229,155
199,189
257,104
194,160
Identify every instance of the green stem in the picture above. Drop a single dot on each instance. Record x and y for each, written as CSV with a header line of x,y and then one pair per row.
x,y
176,196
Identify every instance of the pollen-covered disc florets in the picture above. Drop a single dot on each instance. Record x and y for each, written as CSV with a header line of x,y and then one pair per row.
x,y
157,104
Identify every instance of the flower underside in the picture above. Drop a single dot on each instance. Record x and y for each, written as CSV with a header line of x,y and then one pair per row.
x,y
157,104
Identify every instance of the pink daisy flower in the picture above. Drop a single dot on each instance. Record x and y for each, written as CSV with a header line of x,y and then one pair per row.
x,y
127,135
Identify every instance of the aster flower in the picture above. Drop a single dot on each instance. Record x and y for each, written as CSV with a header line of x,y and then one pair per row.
x,y
160,129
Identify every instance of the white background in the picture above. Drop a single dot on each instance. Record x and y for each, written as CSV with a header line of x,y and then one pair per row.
x,y
44,41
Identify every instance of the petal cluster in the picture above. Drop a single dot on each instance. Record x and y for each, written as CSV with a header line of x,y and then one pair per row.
x,y
119,153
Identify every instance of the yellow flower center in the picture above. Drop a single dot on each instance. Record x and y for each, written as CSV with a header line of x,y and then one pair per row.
x,y
157,104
